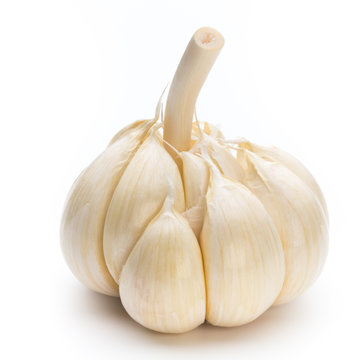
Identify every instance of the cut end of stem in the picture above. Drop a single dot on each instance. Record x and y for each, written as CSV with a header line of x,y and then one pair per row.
x,y
208,38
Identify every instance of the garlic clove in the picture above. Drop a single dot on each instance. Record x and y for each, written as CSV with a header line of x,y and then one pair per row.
x,y
298,217
195,179
281,156
83,219
162,283
242,254
138,197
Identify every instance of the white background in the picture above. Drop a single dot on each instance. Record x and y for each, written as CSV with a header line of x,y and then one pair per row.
x,y
74,72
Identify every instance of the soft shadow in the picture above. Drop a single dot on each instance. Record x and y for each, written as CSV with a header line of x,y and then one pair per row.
x,y
277,319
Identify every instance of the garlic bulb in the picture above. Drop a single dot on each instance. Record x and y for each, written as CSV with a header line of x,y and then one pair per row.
x,y
186,226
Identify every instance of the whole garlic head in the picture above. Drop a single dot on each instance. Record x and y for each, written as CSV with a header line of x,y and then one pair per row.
x,y
186,226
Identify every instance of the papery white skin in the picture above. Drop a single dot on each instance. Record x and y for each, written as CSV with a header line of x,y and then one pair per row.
x,y
222,157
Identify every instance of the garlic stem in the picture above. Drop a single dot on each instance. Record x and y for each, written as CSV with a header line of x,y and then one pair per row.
x,y
190,75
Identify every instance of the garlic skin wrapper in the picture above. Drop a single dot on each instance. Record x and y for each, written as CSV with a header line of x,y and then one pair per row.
x,y
187,226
